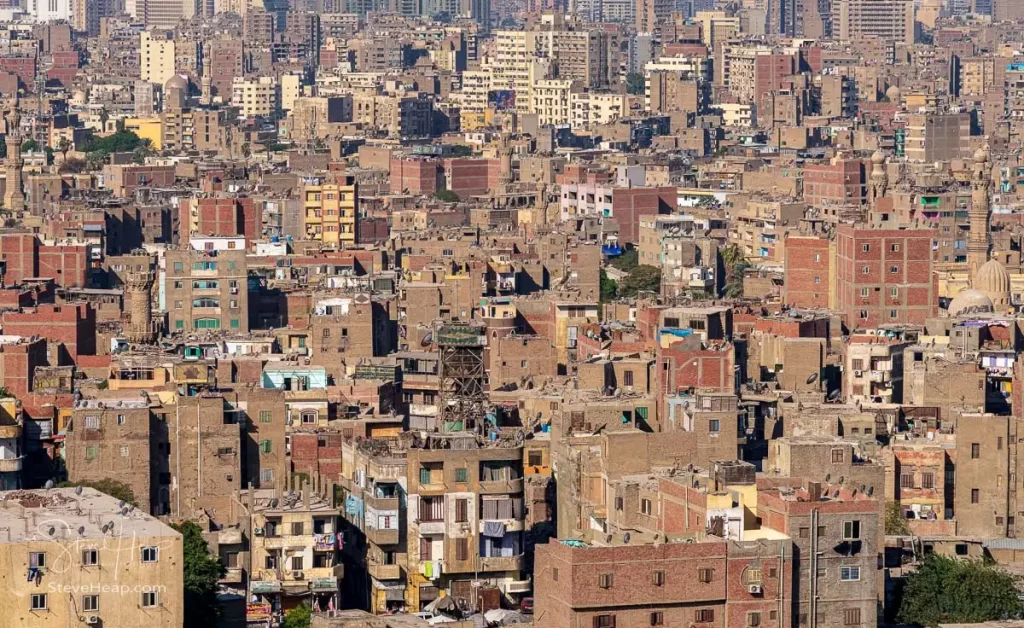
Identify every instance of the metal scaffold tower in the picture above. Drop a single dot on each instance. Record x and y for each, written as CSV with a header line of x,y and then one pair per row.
x,y
462,377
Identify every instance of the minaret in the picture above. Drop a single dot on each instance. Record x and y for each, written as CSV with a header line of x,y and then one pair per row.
x,y
206,98
879,177
14,194
138,281
978,238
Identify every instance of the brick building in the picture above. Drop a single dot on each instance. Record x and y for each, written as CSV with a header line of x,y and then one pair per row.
x,y
809,272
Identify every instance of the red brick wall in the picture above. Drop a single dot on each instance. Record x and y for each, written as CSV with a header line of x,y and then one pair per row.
x,y
19,251
68,266
807,273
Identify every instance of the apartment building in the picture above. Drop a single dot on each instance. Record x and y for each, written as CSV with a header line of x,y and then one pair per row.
x,y
294,550
157,61
255,97
935,137
206,290
859,19
66,573
465,518
330,212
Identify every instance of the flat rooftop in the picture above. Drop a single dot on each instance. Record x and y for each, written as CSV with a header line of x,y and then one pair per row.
x,y
31,515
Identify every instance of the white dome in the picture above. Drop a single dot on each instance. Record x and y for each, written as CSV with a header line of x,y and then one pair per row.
x,y
970,302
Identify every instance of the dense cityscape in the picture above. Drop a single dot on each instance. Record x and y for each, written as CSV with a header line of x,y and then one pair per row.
x,y
481,313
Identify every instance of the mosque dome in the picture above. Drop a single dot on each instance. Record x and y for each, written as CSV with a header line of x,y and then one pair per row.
x,y
970,302
993,280
893,93
878,157
981,155
176,82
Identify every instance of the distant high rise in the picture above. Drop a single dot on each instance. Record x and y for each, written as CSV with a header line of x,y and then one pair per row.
x,y
885,19
49,10
982,7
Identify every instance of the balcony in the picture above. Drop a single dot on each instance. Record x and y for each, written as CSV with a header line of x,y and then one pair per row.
x,y
385,572
11,465
880,377
511,525
10,431
501,563
519,586
501,486
382,503
233,575
382,537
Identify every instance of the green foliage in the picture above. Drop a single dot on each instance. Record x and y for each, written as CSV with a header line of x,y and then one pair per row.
x,y
948,591
895,523
72,166
446,196
29,146
114,488
201,573
643,278
626,262
120,142
735,266
608,287
635,83
299,617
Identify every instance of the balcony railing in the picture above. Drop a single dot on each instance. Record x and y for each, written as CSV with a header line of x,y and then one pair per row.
x,y
501,563
382,537
385,572
502,486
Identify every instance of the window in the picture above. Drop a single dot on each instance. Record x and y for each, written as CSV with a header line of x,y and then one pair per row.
x,y
864,315
864,270
657,619
893,313
266,447
849,574
975,496
714,426
38,602
461,549
150,554
627,378
851,617
297,563
752,575
999,443
461,510
461,475
124,452
858,365
424,475
534,458
975,450
120,419
851,529
705,574
92,423
90,557
658,578
837,456
864,292
604,621
645,507
265,416
906,480
865,247
805,533
266,477
753,619
605,581
91,452
817,279
179,324
90,602
894,269
37,560
927,480
298,528
894,292
234,323
179,267
149,599
704,615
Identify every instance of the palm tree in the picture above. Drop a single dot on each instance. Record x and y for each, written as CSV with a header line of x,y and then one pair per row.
x,y
64,145
104,116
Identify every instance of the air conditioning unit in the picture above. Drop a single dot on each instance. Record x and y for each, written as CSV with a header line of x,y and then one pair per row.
x,y
258,531
93,620
297,575
755,589
858,373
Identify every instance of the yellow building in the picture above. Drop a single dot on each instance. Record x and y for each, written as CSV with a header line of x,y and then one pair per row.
x,y
66,568
156,57
147,129
330,211
254,97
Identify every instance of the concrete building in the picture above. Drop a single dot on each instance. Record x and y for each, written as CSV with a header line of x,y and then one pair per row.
x,y
935,137
255,98
206,290
68,570
858,19
330,212
157,61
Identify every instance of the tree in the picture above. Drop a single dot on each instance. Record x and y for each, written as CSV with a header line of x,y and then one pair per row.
x,y
635,83
627,261
114,488
72,166
29,146
949,591
446,196
608,287
736,266
104,116
201,573
64,145
299,617
895,523
643,278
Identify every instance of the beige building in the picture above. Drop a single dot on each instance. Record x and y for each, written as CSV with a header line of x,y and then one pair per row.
x,y
256,97
80,555
935,137
552,99
597,108
859,19
207,291
156,57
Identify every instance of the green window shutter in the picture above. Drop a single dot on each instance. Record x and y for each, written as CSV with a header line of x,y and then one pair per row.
x,y
461,475
424,475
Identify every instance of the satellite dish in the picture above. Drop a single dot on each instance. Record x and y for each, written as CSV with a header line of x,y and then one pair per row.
x,y
78,490
625,538
273,503
828,476
812,378
51,530
81,530
841,478
871,491
120,504
49,484
106,527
